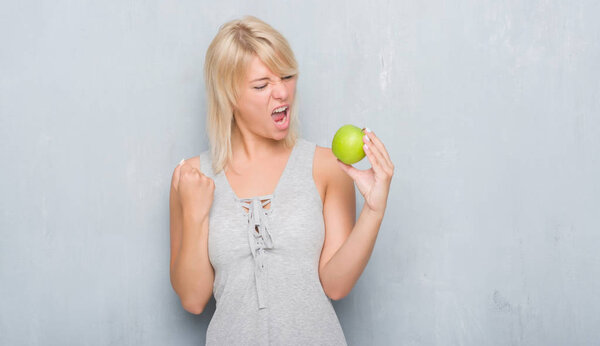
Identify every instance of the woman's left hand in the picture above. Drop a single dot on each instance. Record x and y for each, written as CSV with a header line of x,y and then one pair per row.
x,y
373,183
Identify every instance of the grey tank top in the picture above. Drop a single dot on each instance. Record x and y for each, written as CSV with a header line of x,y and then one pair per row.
x,y
266,261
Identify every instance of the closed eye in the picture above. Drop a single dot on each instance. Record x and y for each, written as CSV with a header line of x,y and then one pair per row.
x,y
263,86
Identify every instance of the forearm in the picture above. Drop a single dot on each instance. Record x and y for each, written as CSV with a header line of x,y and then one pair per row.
x,y
192,276
347,264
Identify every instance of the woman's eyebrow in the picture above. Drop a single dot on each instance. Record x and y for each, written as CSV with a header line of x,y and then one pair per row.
x,y
256,80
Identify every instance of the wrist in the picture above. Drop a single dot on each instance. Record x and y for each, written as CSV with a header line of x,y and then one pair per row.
x,y
376,214
193,218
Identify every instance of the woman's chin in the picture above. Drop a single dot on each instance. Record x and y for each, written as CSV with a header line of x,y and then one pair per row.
x,y
280,135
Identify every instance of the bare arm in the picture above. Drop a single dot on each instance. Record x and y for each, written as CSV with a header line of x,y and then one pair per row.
x,y
341,271
348,246
192,275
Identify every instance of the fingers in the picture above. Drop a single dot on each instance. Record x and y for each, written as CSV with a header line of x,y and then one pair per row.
x,y
370,147
371,156
177,175
378,144
185,168
378,151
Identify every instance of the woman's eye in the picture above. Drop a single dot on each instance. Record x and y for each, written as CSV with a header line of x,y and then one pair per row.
x,y
262,87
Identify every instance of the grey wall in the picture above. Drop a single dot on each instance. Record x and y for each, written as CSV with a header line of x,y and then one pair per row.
x,y
489,110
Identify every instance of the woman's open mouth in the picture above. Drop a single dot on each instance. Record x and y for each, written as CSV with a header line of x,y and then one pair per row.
x,y
281,116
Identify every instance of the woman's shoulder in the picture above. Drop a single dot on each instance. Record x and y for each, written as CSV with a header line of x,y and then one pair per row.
x,y
203,159
324,161
327,172
321,153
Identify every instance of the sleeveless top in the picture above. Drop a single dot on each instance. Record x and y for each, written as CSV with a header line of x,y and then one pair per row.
x,y
266,261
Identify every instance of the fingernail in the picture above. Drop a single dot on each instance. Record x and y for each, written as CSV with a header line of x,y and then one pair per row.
x,y
367,129
181,162
366,138
366,147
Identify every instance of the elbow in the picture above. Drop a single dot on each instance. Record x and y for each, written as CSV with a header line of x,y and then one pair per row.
x,y
337,295
334,292
193,307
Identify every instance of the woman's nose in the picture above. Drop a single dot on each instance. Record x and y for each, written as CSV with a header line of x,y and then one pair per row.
x,y
280,90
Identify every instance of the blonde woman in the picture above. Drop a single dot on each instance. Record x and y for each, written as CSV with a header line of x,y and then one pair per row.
x,y
265,220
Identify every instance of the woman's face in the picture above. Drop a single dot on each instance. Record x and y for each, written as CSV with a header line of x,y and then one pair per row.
x,y
261,94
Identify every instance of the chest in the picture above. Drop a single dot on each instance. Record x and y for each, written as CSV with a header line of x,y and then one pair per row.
x,y
254,180
262,179
294,221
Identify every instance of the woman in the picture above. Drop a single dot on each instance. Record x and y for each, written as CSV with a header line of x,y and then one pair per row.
x,y
264,220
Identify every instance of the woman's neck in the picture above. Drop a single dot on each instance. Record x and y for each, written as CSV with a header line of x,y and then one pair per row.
x,y
248,147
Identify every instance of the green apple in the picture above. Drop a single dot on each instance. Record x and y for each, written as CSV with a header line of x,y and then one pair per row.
x,y
347,144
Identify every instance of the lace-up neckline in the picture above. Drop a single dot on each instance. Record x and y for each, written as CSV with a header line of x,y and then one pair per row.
x,y
260,238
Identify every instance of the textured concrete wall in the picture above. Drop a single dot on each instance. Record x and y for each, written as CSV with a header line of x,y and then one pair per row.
x,y
489,110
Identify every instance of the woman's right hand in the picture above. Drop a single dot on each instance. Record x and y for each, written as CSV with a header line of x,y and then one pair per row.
x,y
195,191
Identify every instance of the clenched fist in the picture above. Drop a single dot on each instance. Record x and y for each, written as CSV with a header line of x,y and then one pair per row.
x,y
194,190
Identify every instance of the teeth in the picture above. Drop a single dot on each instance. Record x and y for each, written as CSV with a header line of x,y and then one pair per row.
x,y
280,109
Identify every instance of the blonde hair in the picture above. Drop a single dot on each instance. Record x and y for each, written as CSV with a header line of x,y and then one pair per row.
x,y
226,62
